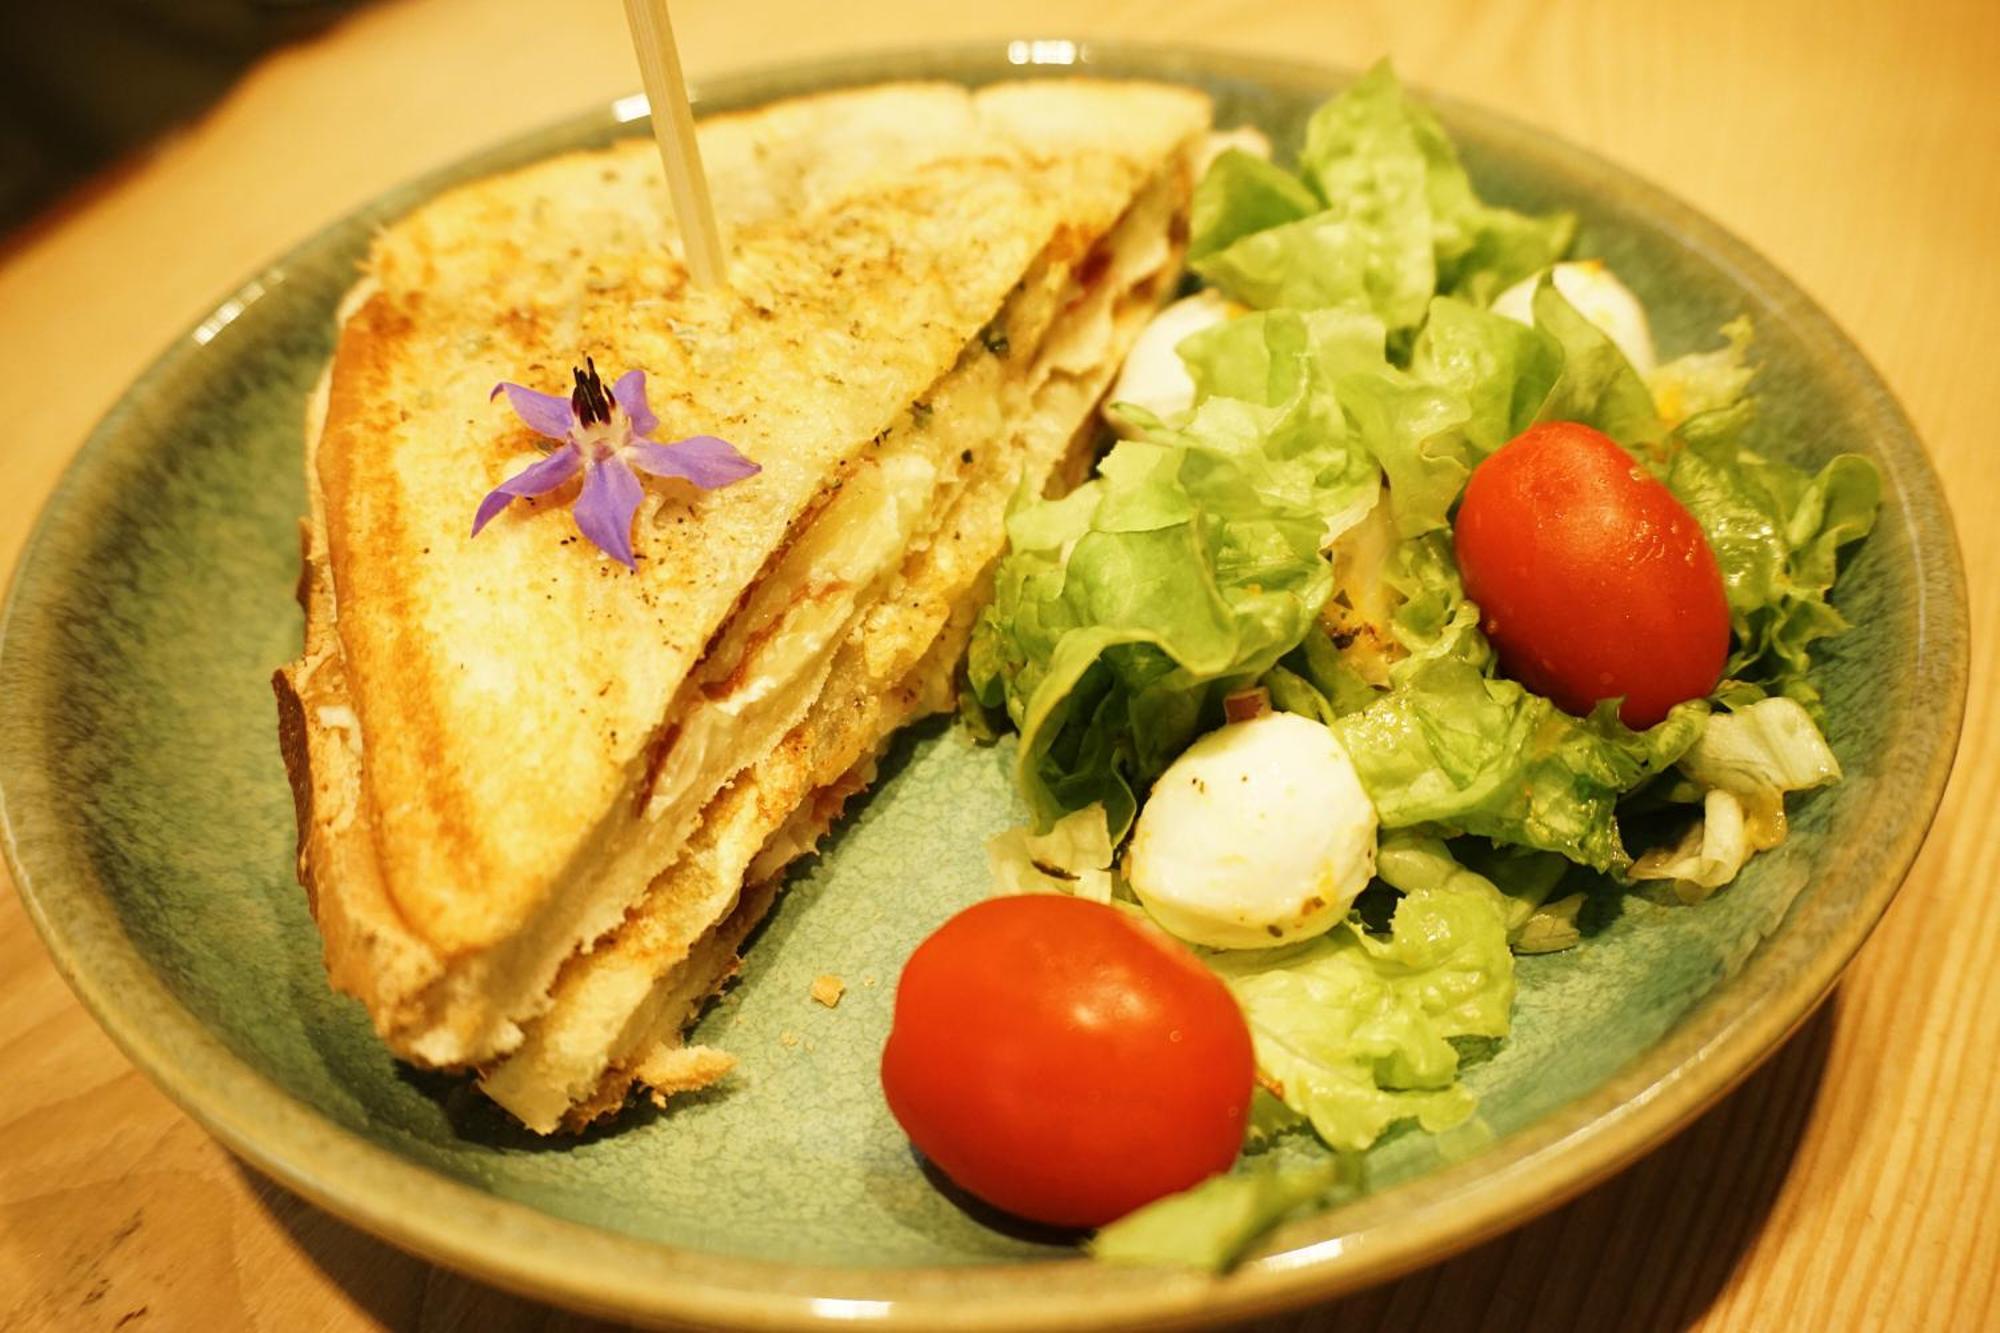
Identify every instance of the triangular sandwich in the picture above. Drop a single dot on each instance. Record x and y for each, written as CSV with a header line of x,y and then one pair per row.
x,y
534,778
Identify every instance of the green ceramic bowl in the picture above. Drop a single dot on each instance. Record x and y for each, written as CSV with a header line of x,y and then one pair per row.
x,y
150,830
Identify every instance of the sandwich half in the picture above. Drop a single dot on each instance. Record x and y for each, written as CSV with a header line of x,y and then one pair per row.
x,y
543,797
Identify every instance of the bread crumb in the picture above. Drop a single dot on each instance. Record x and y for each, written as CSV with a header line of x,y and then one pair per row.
x,y
788,1039
868,980
827,988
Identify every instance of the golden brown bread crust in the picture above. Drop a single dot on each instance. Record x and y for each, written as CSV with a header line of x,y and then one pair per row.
x,y
478,677
370,952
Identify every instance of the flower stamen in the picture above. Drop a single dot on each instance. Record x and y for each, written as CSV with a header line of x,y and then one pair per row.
x,y
588,400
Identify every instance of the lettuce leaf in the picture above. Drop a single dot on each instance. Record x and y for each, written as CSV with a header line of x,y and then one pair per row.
x,y
1380,217
1413,429
1239,195
1353,1031
1418,863
1074,856
1270,359
1433,620
1210,1225
1708,856
1502,369
1508,375
1596,385
1702,382
1456,749
1743,764
1502,377
1760,752
1413,861
1190,564
1777,533
1416,432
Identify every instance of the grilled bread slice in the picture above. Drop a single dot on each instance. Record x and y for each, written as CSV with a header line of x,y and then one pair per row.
x,y
500,745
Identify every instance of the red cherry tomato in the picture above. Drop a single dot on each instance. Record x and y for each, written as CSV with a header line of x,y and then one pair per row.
x,y
1064,1062
1593,580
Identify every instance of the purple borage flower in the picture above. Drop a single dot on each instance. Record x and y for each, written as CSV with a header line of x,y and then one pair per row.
x,y
604,436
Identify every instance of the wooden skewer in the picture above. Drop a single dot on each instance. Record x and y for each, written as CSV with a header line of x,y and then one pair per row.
x,y
673,130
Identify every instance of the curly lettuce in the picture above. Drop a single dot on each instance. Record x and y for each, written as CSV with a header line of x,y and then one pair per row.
x,y
1189,565
1741,767
1380,216
1777,532
1353,1031
1452,748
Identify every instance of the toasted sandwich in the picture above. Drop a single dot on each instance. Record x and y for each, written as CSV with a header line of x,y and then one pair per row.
x,y
544,793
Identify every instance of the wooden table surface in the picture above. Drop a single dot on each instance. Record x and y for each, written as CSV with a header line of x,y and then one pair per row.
x,y
1852,1183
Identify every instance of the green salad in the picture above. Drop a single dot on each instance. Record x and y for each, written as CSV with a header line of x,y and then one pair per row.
x,y
1290,542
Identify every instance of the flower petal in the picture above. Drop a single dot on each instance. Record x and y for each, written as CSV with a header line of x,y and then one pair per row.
x,y
630,395
545,413
706,461
536,479
604,511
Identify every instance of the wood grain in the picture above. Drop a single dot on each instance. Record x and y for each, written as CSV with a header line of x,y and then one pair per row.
x,y
1852,1183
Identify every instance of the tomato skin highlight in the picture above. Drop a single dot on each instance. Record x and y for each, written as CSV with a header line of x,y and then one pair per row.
x,y
1593,581
1065,1063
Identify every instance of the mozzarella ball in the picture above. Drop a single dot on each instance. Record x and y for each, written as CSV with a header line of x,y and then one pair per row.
x,y
1260,834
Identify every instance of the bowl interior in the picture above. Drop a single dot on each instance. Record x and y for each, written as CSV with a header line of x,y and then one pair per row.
x,y
152,828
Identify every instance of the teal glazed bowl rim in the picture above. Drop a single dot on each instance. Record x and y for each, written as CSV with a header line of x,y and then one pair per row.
x,y
1736,1025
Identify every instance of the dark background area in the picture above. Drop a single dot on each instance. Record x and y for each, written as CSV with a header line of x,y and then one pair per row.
x,y
86,82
